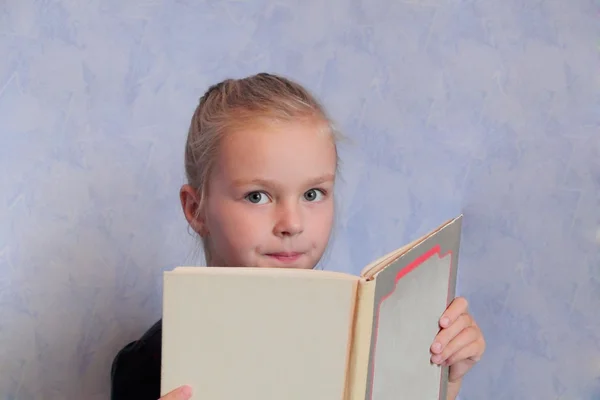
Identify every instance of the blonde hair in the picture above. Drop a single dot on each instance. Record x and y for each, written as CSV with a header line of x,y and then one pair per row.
x,y
235,103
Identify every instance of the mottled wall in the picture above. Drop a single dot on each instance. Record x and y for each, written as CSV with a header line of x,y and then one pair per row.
x,y
490,108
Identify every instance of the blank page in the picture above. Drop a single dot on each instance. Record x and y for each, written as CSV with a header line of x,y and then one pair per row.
x,y
235,333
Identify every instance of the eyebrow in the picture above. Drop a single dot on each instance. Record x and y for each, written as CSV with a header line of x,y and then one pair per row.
x,y
268,183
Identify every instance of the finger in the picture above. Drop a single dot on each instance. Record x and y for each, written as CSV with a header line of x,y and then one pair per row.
x,y
457,307
472,352
444,337
463,339
181,393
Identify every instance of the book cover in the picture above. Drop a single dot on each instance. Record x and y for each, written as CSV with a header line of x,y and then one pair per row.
x,y
410,295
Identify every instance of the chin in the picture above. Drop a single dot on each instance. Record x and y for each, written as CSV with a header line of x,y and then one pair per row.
x,y
269,262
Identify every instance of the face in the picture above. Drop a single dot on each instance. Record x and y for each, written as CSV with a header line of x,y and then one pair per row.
x,y
270,197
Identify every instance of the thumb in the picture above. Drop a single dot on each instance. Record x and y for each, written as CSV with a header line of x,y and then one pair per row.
x,y
181,393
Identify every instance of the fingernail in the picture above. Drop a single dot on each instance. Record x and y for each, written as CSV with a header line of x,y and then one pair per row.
x,y
186,391
436,359
436,347
445,321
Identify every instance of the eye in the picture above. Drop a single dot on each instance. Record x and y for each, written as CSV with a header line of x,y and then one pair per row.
x,y
313,195
257,197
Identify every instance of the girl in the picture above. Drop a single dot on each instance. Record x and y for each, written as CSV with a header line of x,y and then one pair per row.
x,y
261,162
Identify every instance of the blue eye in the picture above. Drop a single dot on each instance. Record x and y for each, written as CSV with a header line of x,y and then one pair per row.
x,y
313,195
257,198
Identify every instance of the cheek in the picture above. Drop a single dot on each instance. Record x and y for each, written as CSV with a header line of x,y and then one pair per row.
x,y
322,223
235,226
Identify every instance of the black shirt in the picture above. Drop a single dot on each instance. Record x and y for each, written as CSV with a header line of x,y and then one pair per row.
x,y
135,373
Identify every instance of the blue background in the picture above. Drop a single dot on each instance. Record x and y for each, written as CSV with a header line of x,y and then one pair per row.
x,y
489,108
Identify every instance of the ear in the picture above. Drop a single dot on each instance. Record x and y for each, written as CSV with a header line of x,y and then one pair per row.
x,y
192,209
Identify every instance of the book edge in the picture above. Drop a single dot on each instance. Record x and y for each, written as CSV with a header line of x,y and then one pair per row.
x,y
361,341
254,271
372,269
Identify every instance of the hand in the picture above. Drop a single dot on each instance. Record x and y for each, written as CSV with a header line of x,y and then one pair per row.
x,y
460,343
181,393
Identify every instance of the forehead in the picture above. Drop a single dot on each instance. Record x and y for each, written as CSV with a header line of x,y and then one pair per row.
x,y
280,151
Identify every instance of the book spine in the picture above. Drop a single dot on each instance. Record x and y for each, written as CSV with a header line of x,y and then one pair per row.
x,y
361,341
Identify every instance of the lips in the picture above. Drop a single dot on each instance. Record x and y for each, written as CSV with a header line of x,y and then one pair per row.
x,y
285,257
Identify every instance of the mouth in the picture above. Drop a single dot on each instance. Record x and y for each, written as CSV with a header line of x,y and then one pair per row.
x,y
285,257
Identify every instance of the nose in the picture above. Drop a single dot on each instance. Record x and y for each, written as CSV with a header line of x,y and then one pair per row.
x,y
289,220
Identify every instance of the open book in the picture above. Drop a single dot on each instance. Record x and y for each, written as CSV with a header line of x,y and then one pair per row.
x,y
286,334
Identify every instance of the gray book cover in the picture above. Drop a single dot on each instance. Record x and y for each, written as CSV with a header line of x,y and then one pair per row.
x,y
411,294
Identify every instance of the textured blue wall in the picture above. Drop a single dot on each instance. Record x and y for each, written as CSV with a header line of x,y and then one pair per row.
x,y
491,108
